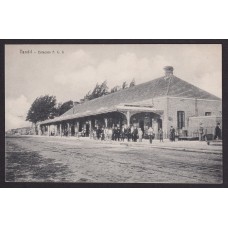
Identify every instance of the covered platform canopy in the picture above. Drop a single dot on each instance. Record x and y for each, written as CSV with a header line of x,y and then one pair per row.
x,y
122,108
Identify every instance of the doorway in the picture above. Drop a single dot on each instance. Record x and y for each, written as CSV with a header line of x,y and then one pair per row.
x,y
73,130
80,127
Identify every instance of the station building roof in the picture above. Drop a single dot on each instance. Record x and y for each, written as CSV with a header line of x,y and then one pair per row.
x,y
166,86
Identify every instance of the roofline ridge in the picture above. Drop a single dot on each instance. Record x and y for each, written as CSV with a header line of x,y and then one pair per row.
x,y
197,87
122,90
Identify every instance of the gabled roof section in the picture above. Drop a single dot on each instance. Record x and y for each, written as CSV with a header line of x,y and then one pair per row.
x,y
181,88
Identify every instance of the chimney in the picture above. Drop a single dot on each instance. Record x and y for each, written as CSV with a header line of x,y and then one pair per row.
x,y
168,71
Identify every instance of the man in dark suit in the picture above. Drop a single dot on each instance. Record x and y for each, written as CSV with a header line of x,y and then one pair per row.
x,y
135,134
218,132
118,133
128,133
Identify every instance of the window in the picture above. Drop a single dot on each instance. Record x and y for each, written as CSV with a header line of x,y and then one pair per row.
x,y
180,119
207,113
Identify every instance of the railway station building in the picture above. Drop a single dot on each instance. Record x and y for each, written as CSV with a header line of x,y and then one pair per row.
x,y
161,103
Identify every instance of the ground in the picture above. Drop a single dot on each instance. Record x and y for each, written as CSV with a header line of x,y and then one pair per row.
x,y
55,159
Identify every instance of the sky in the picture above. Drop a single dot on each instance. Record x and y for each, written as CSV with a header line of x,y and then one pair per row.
x,y
70,71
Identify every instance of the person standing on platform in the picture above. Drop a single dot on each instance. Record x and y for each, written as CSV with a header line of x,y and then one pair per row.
x,y
106,133
98,133
125,132
151,134
82,132
128,130
118,131
140,134
102,134
113,132
122,133
135,134
201,131
132,129
172,134
76,131
218,132
110,134
94,134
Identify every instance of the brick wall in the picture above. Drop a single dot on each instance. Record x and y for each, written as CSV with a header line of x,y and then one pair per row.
x,y
215,107
191,107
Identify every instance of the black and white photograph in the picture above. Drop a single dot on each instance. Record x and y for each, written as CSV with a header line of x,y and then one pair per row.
x,y
113,113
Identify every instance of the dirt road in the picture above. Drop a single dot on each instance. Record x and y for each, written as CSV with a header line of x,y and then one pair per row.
x,y
50,159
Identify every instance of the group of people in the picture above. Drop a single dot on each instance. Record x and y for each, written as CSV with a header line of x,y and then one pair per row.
x,y
202,132
217,132
134,134
117,133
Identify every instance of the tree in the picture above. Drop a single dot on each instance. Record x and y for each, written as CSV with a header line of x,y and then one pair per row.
x,y
132,83
124,85
98,91
95,93
104,88
115,89
65,107
44,107
87,96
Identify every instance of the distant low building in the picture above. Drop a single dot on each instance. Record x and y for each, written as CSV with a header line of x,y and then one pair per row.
x,y
21,131
161,103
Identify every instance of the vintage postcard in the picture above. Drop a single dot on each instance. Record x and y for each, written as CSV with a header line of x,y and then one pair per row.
x,y
113,113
